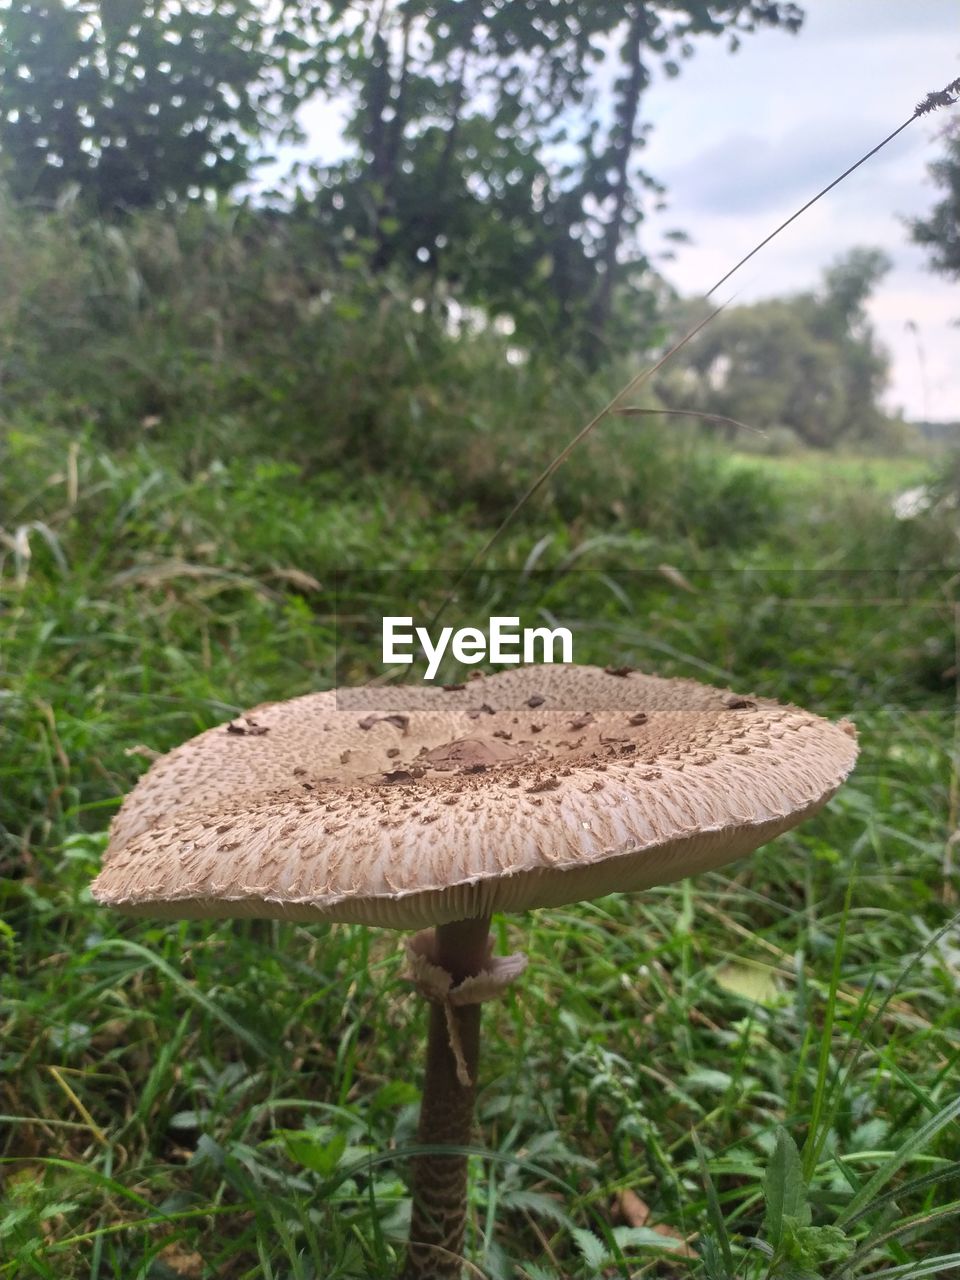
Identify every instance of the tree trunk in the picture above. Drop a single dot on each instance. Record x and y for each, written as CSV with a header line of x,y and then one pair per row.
x,y
389,160
435,225
623,139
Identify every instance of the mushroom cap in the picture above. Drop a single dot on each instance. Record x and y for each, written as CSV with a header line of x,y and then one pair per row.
x,y
405,807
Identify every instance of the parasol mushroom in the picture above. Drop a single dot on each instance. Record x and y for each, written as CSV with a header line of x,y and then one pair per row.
x,y
431,809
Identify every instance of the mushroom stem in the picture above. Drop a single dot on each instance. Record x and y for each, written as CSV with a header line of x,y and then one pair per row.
x,y
439,1182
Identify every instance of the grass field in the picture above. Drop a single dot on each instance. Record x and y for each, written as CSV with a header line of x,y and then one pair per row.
x,y
878,474
750,1075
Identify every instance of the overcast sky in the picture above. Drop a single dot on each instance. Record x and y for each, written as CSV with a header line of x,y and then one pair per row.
x,y
742,140
762,130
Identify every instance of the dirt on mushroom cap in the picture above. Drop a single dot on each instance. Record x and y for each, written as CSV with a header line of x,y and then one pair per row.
x,y
534,787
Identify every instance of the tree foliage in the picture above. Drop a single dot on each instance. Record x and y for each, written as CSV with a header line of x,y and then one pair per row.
x,y
487,155
810,363
940,232
134,102
484,154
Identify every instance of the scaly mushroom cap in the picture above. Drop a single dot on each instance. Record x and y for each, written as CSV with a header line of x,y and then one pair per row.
x,y
415,806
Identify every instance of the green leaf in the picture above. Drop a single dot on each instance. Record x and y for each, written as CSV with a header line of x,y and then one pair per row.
x,y
313,1151
783,1189
593,1249
913,1145
398,1093
914,1270
717,1255
537,1204
58,1206
534,1271
810,1246
749,982
208,1152
644,1238
708,1078
190,1119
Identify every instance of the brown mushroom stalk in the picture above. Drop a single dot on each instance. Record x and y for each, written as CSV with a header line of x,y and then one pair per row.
x,y
439,1182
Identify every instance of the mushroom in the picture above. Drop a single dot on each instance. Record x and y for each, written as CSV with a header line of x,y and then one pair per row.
x,y
429,809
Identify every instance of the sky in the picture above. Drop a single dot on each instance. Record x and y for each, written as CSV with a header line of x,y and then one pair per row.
x,y
762,130
742,140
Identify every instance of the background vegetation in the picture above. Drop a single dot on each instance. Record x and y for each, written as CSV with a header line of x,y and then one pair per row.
x,y
209,405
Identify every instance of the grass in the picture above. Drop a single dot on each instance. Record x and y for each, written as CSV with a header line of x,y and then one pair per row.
x,y
807,470
763,1061
750,1076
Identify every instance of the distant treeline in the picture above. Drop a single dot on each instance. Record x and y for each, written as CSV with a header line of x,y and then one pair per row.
x,y
947,433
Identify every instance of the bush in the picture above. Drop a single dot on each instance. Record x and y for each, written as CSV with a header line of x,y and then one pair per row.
x,y
231,337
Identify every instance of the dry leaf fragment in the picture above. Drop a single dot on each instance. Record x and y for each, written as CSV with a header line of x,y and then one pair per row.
x,y
676,578
634,1211
297,578
182,1261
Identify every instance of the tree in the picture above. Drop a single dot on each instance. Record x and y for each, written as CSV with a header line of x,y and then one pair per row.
x,y
486,115
847,285
482,156
810,362
134,102
940,232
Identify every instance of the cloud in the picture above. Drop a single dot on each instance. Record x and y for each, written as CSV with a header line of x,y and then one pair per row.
x,y
852,21
742,142
752,172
